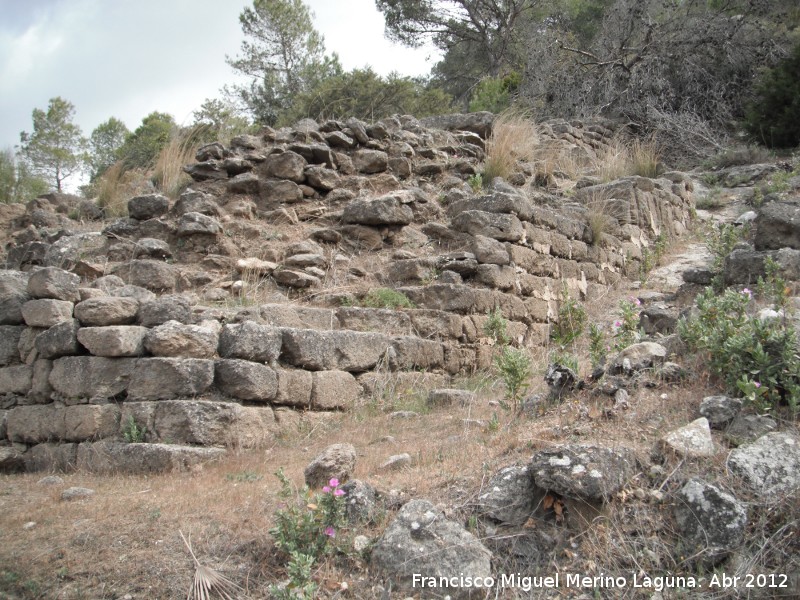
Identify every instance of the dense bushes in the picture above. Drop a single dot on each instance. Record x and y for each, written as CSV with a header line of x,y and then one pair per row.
x,y
773,117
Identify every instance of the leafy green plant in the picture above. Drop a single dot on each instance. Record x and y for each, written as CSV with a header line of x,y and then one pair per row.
x,y
514,366
720,241
597,345
626,328
475,182
387,298
571,320
132,433
755,358
565,359
496,327
300,585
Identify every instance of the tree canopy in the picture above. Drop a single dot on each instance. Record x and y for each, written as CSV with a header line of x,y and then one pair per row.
x,y
55,150
141,147
104,144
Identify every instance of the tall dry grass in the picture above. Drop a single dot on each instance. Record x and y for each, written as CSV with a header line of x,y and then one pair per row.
x,y
514,138
117,185
622,158
168,174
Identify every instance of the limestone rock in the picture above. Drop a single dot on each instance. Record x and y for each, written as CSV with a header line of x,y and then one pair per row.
x,y
335,462
165,308
76,493
176,339
370,161
388,210
166,378
397,462
193,223
59,340
583,471
690,441
778,226
720,410
477,122
106,310
250,341
54,283
286,165
295,279
151,274
142,459
46,312
711,521
113,341
13,294
334,390
245,380
748,428
639,356
422,541
77,377
501,227
146,207
770,465
510,496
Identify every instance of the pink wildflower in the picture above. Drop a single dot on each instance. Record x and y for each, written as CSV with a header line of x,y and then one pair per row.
x,y
338,492
326,489
617,323
330,532
757,384
748,292
333,483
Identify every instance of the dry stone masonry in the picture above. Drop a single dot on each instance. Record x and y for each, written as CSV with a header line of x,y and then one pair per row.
x,y
134,331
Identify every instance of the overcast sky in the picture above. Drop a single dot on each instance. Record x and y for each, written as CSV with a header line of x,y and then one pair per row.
x,y
127,58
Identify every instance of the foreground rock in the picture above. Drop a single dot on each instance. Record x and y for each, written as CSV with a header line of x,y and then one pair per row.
x,y
116,457
335,462
770,465
711,521
421,542
511,496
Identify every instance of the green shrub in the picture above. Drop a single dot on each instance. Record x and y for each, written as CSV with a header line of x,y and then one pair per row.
x,y
626,328
597,346
514,365
496,327
495,93
773,117
387,298
132,433
475,182
571,320
755,358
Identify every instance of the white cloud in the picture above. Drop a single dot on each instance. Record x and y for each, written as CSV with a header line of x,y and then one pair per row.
x,y
130,58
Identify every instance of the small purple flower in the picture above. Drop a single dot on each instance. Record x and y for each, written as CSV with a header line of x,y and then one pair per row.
x,y
617,323
747,292
333,483
757,384
338,492
330,532
637,302
326,489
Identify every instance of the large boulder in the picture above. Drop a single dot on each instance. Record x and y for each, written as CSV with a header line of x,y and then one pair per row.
x,y
250,341
13,294
245,380
76,377
325,350
370,161
498,226
149,206
477,122
46,312
142,459
778,226
165,308
511,496
286,165
113,341
176,339
166,378
106,310
59,340
421,545
54,283
153,275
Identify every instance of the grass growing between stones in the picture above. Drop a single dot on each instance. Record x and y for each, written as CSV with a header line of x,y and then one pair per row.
x,y
514,138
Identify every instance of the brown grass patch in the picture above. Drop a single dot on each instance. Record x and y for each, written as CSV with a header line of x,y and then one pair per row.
x,y
514,138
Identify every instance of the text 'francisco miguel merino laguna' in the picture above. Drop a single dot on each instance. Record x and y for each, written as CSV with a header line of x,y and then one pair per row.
x,y
570,580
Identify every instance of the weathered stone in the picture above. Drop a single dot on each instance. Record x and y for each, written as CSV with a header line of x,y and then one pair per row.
x,y
295,279
477,122
770,465
370,161
106,310
422,542
397,462
590,472
152,275
748,428
511,496
13,294
11,460
639,356
113,341
489,251
323,350
46,313
245,380
275,192
198,224
54,283
51,457
322,178
335,462
41,390
76,493
334,390
286,165
463,263
388,210
195,201
151,248
244,183
90,422
359,501
75,377
497,226
250,341
690,441
303,261
294,387
146,207
16,379
196,422
35,424
59,340
141,459
720,410
777,226
9,344
410,352
337,139
657,319
165,308
166,378
711,521
176,339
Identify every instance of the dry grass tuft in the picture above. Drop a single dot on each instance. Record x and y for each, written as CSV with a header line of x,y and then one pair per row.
x,y
168,174
645,158
622,158
514,138
117,185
